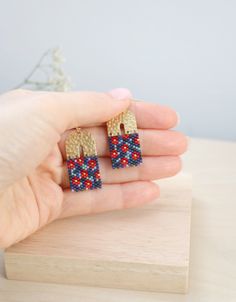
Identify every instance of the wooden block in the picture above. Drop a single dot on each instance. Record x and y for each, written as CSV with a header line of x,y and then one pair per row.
x,y
146,248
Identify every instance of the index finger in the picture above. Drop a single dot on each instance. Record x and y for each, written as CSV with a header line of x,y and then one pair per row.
x,y
153,116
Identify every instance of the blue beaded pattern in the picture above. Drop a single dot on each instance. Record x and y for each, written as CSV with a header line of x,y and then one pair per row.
x,y
125,150
84,173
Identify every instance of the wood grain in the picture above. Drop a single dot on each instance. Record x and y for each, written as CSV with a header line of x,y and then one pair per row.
x,y
142,249
213,241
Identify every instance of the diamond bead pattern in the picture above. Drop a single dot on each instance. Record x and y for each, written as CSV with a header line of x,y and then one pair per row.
x,y
84,173
125,150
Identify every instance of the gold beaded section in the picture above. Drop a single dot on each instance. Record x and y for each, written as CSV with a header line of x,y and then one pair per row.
x,y
80,143
127,118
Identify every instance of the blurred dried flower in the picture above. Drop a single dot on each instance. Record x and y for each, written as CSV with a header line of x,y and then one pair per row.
x,y
50,68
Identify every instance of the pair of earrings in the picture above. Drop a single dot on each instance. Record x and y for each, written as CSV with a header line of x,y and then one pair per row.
x,y
82,159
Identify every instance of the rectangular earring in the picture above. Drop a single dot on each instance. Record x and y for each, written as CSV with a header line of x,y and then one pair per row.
x,y
83,168
124,147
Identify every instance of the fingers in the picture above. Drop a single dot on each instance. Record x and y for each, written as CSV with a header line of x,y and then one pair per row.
x,y
153,143
154,116
69,110
152,168
95,108
66,110
111,197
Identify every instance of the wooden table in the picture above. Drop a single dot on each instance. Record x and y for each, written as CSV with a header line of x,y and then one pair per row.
x,y
213,240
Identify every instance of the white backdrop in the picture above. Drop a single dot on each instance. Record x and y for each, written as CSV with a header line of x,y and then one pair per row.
x,y
180,53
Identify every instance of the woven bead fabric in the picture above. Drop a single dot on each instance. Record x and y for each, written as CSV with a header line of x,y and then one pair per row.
x,y
125,150
84,173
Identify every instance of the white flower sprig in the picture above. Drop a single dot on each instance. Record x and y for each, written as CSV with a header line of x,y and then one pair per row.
x,y
50,66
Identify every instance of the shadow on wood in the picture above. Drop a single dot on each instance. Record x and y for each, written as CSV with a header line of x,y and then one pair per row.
x,y
146,248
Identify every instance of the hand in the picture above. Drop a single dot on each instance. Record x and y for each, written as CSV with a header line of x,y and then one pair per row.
x,y
34,188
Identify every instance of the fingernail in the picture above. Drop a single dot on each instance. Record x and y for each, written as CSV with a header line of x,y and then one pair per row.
x,y
120,93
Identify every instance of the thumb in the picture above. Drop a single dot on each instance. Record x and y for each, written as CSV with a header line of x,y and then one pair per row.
x,y
76,109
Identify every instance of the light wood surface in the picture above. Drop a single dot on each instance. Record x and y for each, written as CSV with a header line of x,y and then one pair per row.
x,y
213,240
146,248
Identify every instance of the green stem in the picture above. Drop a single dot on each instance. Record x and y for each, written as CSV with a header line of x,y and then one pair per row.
x,y
37,66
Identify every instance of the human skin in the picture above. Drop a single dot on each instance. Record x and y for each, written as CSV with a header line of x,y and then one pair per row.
x,y
34,187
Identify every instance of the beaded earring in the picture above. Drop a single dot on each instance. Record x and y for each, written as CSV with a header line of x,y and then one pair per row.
x,y
82,161
124,147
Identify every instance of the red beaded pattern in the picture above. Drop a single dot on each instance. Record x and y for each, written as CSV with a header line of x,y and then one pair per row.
x,y
84,173
125,150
